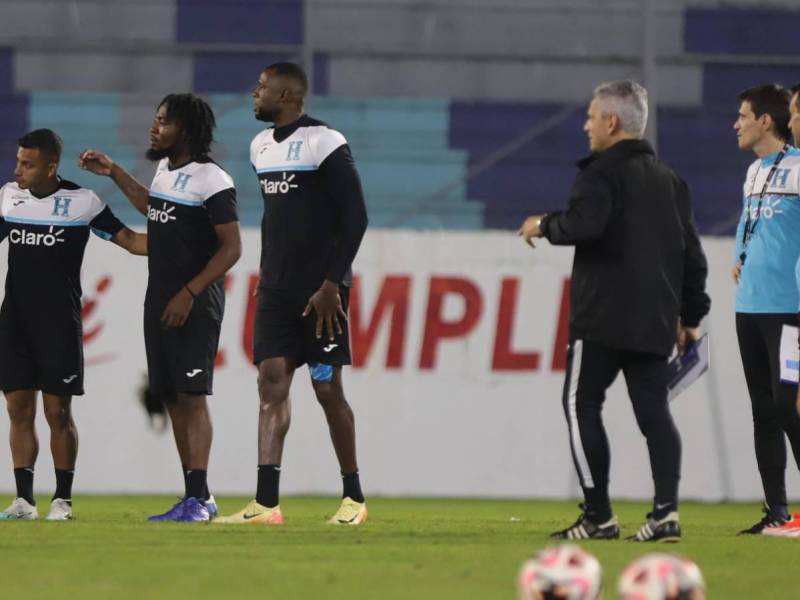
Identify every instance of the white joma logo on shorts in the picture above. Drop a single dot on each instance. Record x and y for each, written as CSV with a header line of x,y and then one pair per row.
x,y
330,347
193,372
69,379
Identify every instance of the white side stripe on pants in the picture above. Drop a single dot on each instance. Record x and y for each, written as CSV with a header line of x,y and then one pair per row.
x,y
574,430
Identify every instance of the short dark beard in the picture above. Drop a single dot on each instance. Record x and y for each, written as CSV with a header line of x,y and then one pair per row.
x,y
156,154
266,116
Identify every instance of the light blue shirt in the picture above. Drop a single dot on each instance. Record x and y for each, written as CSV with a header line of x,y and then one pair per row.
x,y
768,283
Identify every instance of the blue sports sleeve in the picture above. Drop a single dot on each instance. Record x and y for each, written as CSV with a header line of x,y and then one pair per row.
x,y
105,225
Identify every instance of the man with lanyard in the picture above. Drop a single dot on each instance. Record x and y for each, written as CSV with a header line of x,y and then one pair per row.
x,y
767,250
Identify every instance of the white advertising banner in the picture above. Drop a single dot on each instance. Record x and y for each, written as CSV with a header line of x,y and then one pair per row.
x,y
459,353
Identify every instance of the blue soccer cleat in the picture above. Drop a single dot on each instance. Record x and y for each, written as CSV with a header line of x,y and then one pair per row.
x,y
173,514
211,506
194,511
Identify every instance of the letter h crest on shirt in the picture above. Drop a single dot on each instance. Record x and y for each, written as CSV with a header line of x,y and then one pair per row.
x,y
61,206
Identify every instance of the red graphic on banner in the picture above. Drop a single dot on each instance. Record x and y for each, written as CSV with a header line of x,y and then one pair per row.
x,y
393,299
436,328
88,311
504,358
250,317
391,313
559,362
221,358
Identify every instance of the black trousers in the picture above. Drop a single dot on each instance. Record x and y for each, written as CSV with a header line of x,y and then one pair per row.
x,y
591,369
773,403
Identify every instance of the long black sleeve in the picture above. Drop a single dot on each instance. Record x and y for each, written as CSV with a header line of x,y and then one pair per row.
x,y
344,188
695,302
586,217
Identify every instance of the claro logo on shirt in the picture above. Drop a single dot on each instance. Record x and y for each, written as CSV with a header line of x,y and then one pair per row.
x,y
31,238
769,209
160,215
278,187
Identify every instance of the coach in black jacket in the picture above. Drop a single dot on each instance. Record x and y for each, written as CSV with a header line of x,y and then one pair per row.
x,y
638,279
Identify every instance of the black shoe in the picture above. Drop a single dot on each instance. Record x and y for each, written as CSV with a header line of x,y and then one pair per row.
x,y
666,530
769,520
586,529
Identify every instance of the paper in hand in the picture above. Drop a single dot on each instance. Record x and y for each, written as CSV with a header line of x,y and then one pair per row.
x,y
687,368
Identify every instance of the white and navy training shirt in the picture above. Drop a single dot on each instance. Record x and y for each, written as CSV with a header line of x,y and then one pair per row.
x,y
314,212
767,284
185,204
47,238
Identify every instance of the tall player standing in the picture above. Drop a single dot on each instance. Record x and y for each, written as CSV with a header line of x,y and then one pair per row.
x,y
194,240
314,219
47,222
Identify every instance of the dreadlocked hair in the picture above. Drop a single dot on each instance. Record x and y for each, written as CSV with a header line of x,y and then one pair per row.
x,y
196,119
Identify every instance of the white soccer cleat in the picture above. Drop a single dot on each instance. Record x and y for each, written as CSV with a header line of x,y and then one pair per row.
x,y
20,510
60,510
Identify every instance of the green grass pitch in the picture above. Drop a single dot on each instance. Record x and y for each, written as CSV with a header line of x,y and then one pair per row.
x,y
409,548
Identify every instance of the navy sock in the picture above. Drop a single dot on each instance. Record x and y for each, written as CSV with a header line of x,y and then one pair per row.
x,y
351,487
196,483
598,505
24,479
64,479
268,482
206,494
185,481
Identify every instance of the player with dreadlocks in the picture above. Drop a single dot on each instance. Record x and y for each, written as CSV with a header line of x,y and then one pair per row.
x,y
193,240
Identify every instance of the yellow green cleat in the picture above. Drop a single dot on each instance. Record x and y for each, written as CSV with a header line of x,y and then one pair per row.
x,y
350,513
253,513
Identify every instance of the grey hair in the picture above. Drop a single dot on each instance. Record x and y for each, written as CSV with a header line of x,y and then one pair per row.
x,y
626,99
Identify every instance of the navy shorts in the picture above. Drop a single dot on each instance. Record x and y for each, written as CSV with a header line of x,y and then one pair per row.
x,y
281,330
40,351
181,359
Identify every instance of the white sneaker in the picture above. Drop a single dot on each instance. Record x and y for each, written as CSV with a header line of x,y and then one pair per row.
x,y
60,510
20,509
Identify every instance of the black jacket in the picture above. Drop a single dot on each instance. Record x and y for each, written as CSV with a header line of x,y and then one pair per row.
x,y
638,266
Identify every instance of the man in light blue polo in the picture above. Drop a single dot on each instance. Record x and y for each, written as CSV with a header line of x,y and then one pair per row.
x,y
767,251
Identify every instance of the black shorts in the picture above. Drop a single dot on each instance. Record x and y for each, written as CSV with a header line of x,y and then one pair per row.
x,y
181,359
40,351
281,330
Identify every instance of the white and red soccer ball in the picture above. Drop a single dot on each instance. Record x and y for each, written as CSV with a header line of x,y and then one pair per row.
x,y
660,576
567,572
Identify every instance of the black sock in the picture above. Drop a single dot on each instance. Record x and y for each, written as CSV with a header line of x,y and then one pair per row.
x,y
24,479
64,479
268,480
185,481
196,483
206,494
598,505
351,487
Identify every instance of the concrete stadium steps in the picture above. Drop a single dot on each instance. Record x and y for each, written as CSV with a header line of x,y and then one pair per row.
x,y
411,176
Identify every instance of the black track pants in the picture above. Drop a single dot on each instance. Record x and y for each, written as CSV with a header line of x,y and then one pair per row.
x,y
591,369
773,402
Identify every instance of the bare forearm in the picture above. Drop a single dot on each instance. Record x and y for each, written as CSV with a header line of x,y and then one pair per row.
x,y
133,190
221,262
139,245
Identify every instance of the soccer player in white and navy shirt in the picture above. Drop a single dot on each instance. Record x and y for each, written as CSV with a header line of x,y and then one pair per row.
x,y
314,219
46,221
193,240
